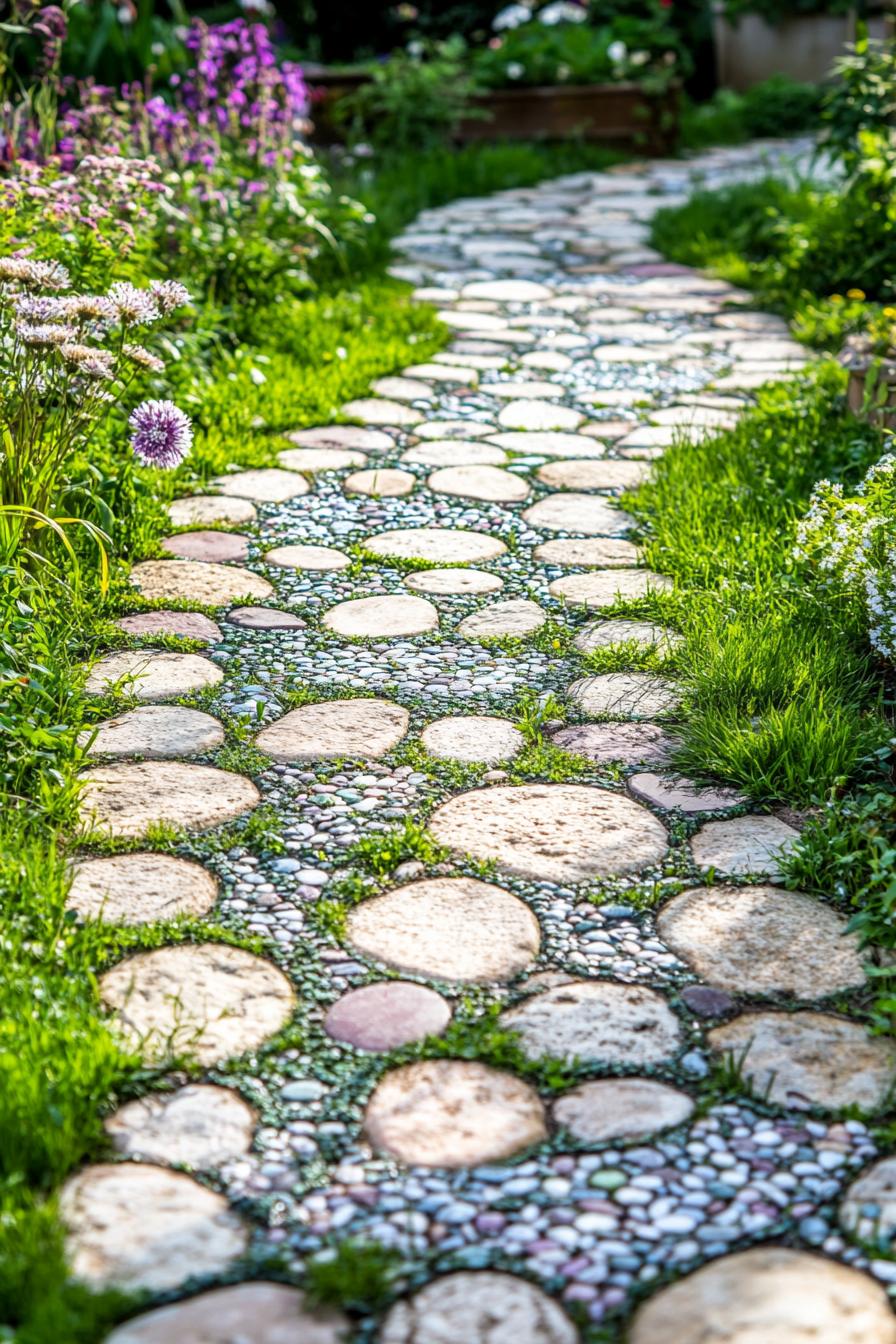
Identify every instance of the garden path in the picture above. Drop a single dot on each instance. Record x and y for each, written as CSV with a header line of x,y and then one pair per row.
x,y
457,547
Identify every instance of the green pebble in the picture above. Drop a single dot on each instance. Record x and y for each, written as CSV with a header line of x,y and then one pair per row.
x,y
608,1180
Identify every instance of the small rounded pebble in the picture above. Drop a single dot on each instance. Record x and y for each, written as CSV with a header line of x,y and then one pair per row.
x,y
245,1313
442,582
126,800
193,510
307,557
479,482
515,618
584,514
621,1109
140,888
267,485
214,546
441,545
604,587
387,1015
157,732
148,675
380,483
631,695
364,728
195,1126
596,1021
185,624
197,581
479,1308
382,617
744,846
474,737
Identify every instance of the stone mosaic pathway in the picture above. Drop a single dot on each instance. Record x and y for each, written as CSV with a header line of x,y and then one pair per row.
x,y
408,602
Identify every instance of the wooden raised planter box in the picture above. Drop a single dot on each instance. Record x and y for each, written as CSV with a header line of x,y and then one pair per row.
x,y
612,114
871,391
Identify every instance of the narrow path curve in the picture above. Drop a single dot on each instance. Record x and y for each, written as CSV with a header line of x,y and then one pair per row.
x,y
422,573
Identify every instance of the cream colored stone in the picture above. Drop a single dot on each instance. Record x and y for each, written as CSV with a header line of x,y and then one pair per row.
x,y
441,545
380,483
455,429
588,474
551,832
443,582
597,1021
507,291
602,552
380,411
868,1210
535,389
454,453
539,415
744,846
198,581
148,675
382,617
320,459
266,485
156,732
207,1001
307,557
464,374
492,484
453,1113
245,1313
605,587
603,634
515,618
474,737
621,1109
140,888
195,1126
359,728
585,514
342,436
625,695
549,443
481,1307
402,389
207,509
126,800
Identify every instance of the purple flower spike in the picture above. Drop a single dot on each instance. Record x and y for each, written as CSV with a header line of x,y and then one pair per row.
x,y
161,434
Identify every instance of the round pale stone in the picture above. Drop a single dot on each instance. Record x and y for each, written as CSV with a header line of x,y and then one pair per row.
x,y
266,485
195,581
158,732
205,1000
597,551
387,1015
264,618
453,429
483,1307
631,695
516,618
549,444
214,546
152,676
605,474
246,1313
507,291
615,1109
140,888
762,940
307,557
360,728
448,928
596,1020
488,483
603,634
445,373
342,436
382,617
380,411
441,545
769,1295
474,737
207,509
628,743
551,832
132,1226
403,389
185,624
453,1113
321,459
869,1208
454,453
196,1126
604,587
547,359
535,389
816,1058
744,846
380,483
577,513
539,415
127,800
447,581
471,321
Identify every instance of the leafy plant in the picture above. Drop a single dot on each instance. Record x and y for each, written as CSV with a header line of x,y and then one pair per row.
x,y
381,854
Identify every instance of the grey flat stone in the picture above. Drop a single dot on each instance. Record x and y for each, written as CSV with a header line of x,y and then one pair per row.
x,y
628,743
362,728
264,618
387,1015
196,1126
442,582
744,846
185,624
441,545
321,459
585,514
626,1109
605,587
597,1022
474,737
157,732
597,552
604,634
515,618
675,792
149,675
342,436
625,695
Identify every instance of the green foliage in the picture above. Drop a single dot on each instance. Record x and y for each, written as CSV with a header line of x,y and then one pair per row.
x,y
774,12
381,854
356,1276
410,102
859,108
776,106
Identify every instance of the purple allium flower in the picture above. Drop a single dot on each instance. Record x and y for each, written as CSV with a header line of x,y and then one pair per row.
x,y
169,295
161,435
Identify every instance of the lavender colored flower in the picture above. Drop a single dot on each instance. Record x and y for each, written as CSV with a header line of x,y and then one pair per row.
x,y
144,358
169,295
44,334
40,274
90,360
161,434
133,305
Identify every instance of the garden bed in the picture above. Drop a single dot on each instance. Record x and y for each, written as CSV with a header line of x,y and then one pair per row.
x,y
613,114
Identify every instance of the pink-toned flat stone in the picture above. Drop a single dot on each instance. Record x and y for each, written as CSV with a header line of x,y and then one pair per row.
x,y
677,792
206,545
384,1016
186,624
264,618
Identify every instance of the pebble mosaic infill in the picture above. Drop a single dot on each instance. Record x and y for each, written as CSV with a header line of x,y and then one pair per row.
x,y
414,576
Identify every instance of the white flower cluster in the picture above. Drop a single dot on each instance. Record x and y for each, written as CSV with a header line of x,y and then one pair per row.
x,y
558,11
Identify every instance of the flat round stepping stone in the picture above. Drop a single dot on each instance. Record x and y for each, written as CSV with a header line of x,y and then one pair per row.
x,y
342,436
596,1021
547,443
196,1126
868,1210
380,483
507,291
403,389
593,551
307,557
630,695
382,617
214,546
443,582
321,459
196,581
604,634
266,485
134,1226
445,373
380,411
535,388
453,1113
551,832
453,429
472,321
605,587
387,1015
474,737
441,545
483,1307
627,743
762,940
148,675
208,509
585,514
264,618
621,1109
682,794
744,846
455,453
205,1000
477,482
769,1295
126,800
604,474
359,728
157,732
246,1313
532,415
140,888
448,928
803,1058
185,624
515,618
554,360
